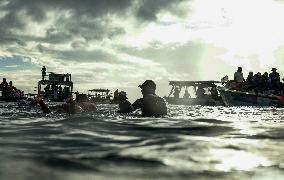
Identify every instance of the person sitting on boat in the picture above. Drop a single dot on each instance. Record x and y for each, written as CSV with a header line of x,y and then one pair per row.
x,y
176,92
124,105
274,80
71,106
249,85
225,79
150,104
264,82
257,82
200,92
249,79
3,87
186,94
214,92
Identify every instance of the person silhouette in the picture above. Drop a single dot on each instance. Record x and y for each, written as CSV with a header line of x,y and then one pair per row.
x,y
43,72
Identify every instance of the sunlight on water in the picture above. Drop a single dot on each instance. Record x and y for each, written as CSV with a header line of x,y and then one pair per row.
x,y
237,160
192,142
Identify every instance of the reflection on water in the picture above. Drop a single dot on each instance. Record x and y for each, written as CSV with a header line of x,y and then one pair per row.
x,y
191,142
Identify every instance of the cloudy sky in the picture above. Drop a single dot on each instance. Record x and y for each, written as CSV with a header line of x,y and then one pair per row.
x,y
120,43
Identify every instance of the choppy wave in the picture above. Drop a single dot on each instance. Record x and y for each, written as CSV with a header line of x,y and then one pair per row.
x,y
190,142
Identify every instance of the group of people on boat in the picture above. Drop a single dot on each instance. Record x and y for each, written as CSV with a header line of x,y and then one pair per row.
x,y
258,83
57,91
8,90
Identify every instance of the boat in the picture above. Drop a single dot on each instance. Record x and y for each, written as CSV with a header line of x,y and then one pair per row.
x,y
239,98
202,93
100,96
14,96
57,88
11,99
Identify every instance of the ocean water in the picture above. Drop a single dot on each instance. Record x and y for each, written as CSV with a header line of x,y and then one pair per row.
x,y
192,142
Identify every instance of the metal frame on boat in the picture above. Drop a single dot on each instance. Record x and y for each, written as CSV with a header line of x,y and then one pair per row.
x,y
101,96
206,99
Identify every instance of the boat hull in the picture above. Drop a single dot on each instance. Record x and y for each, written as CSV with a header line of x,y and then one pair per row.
x,y
236,98
194,101
11,99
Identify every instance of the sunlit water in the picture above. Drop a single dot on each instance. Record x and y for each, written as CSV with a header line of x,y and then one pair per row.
x,y
192,142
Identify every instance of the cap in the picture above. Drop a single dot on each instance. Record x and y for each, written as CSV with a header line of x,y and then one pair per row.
x,y
273,69
122,94
148,84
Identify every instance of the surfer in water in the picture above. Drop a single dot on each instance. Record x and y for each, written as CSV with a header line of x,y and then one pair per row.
x,y
71,106
150,104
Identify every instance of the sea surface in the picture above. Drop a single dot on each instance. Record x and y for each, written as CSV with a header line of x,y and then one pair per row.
x,y
192,142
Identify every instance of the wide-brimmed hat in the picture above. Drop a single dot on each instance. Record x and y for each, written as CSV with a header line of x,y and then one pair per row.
x,y
148,84
273,69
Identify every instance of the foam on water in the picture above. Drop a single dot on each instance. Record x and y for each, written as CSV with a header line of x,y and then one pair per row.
x,y
191,142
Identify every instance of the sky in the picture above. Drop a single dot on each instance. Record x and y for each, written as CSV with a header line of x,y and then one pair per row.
x,y
121,43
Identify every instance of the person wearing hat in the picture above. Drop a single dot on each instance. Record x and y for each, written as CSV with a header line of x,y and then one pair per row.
x,y
274,74
124,105
150,104
274,79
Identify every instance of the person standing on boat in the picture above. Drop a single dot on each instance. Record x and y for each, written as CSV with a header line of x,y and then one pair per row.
x,y
4,87
43,72
239,78
150,104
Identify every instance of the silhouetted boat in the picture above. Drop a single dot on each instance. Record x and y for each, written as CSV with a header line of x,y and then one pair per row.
x,y
100,96
238,98
11,99
52,91
205,98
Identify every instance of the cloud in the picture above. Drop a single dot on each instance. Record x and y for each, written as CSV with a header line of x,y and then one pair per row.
x,y
90,19
177,58
148,10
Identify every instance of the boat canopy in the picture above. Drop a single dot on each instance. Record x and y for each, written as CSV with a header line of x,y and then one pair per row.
x,y
193,83
100,90
196,85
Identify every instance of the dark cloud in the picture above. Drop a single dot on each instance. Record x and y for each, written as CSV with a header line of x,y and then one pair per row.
x,y
148,9
79,55
87,18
